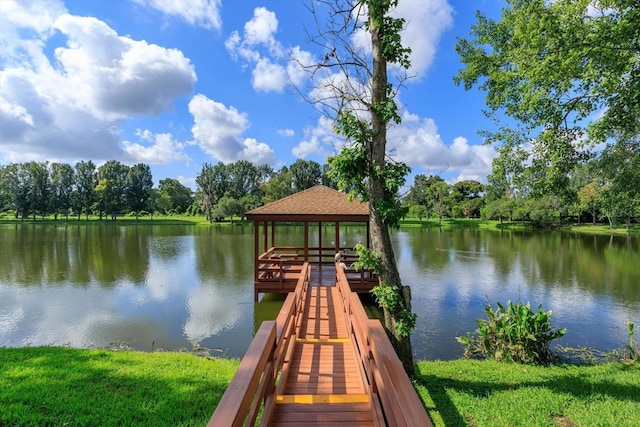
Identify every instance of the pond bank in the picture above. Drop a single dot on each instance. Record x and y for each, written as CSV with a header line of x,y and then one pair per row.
x,y
64,386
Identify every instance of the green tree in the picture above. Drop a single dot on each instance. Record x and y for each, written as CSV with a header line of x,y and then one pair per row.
x,y
326,179
247,203
363,108
112,177
418,211
15,185
211,186
153,201
244,179
418,192
553,66
495,209
466,198
174,197
228,207
278,186
138,185
85,181
589,199
439,199
620,168
305,174
61,188
39,185
6,196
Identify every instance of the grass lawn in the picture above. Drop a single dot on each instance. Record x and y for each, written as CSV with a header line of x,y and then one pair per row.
x,y
56,386
484,224
488,393
53,386
445,224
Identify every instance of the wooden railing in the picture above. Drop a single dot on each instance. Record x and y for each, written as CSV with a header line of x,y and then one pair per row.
x,y
277,267
391,390
263,369
313,254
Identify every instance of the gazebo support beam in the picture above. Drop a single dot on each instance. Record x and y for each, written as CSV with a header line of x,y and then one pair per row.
x,y
320,241
273,234
306,240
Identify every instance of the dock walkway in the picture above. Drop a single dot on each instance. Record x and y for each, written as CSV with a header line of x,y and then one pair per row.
x,y
324,385
321,362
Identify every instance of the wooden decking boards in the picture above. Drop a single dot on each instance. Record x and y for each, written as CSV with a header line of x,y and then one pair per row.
x,y
321,362
324,385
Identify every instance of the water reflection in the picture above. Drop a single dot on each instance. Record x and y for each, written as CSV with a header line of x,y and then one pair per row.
x,y
591,283
171,286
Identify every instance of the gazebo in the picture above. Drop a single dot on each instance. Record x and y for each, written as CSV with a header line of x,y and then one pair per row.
x,y
277,268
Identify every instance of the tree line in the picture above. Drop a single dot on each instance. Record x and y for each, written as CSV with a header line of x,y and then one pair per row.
x,y
38,189
605,187
562,84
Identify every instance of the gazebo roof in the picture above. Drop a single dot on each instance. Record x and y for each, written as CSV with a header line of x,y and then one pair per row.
x,y
319,203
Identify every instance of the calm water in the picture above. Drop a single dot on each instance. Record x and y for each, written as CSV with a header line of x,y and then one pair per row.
x,y
172,287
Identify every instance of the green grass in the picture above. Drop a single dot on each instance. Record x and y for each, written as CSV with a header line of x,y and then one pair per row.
x,y
56,386
603,229
483,224
463,223
488,393
121,220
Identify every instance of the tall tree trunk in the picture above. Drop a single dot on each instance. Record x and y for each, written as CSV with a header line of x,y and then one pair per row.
x,y
379,231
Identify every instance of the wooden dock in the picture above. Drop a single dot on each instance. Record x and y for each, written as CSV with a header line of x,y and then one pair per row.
x,y
324,384
321,362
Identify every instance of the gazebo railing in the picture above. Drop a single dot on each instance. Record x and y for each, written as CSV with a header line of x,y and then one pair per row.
x,y
277,269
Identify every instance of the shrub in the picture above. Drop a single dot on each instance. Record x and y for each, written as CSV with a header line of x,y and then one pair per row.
x,y
514,333
631,350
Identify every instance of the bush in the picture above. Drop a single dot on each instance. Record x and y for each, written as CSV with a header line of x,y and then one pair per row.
x,y
631,350
515,333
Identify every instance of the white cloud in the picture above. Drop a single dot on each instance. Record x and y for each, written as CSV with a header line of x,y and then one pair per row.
x,y
121,77
417,143
187,181
73,107
261,28
268,76
299,60
163,149
217,129
202,13
273,65
18,17
320,141
286,132
258,34
426,20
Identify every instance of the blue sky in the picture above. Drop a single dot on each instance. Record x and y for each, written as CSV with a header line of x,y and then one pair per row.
x,y
176,83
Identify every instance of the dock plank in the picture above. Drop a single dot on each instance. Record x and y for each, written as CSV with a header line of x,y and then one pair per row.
x,y
323,365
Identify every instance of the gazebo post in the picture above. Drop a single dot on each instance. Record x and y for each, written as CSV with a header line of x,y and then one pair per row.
x,y
264,226
337,245
306,240
320,242
256,252
273,234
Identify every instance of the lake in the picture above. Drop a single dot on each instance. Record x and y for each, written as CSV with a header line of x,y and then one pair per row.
x,y
174,287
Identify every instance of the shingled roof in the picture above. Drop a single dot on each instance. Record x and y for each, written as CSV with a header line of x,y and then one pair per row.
x,y
319,203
